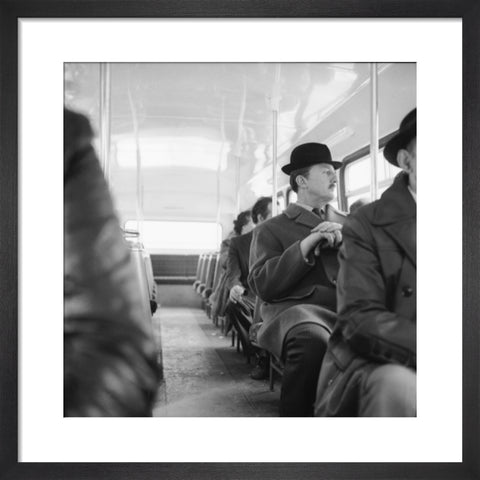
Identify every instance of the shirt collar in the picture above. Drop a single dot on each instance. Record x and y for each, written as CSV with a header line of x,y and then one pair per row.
x,y
308,207
414,195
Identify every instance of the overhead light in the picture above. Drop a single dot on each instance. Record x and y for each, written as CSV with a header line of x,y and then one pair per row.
x,y
339,136
188,152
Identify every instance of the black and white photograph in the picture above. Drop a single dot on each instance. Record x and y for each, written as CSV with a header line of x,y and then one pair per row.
x,y
222,241
189,291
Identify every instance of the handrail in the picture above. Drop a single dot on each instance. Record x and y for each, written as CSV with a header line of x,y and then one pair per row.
x,y
139,176
219,166
373,131
131,233
105,118
275,107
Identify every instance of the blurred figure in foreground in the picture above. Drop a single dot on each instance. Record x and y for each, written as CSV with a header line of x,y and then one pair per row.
x,y
370,368
110,359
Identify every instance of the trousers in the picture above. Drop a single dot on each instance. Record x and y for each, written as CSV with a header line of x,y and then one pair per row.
x,y
389,391
365,389
303,350
240,316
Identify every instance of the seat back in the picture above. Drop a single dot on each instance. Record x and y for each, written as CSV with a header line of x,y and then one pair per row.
x,y
211,271
218,273
205,273
198,276
138,257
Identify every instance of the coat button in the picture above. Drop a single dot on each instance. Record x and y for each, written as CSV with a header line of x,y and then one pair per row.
x,y
407,291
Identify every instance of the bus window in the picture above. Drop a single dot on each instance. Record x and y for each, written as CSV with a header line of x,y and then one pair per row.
x,y
281,202
334,202
291,197
357,177
177,237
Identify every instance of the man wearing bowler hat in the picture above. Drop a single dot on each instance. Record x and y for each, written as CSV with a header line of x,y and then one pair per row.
x,y
370,366
293,269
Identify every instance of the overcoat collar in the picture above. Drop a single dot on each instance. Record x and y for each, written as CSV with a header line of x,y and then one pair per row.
x,y
304,216
396,212
244,239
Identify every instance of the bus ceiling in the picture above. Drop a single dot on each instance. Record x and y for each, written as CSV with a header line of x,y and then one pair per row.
x,y
171,132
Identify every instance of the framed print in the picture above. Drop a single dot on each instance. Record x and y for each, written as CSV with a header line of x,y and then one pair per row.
x,y
37,39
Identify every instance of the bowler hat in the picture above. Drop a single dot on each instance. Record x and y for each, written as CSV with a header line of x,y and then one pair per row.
x,y
309,154
406,132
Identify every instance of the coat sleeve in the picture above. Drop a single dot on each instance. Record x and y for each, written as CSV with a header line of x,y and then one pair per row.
x,y
233,266
366,323
275,271
224,247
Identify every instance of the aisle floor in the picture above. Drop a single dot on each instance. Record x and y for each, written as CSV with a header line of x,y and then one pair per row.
x,y
204,375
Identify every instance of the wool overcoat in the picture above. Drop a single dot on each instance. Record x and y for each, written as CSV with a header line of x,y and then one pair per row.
x,y
377,296
237,263
219,297
293,289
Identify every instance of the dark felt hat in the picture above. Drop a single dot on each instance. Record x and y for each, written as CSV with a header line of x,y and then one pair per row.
x,y
406,132
309,154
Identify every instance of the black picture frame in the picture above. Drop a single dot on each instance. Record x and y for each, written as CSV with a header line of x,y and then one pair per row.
x,y
12,10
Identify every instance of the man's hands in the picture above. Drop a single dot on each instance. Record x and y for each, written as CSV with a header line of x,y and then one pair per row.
x,y
236,293
325,234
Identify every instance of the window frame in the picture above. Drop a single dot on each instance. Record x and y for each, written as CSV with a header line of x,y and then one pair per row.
x,y
164,250
354,157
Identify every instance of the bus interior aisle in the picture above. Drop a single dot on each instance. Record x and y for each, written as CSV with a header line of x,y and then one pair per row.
x,y
204,375
196,157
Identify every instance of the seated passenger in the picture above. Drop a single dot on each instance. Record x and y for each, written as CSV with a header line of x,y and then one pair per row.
x,y
241,305
293,268
110,357
219,298
358,204
370,366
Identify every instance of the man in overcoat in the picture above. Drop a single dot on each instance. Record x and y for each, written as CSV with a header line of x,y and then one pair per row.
x,y
370,365
241,305
293,269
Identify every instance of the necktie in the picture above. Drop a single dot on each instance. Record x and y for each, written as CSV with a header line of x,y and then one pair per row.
x,y
319,213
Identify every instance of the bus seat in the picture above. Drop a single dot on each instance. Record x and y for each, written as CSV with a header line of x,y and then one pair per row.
x,y
137,254
210,276
216,280
198,275
206,271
